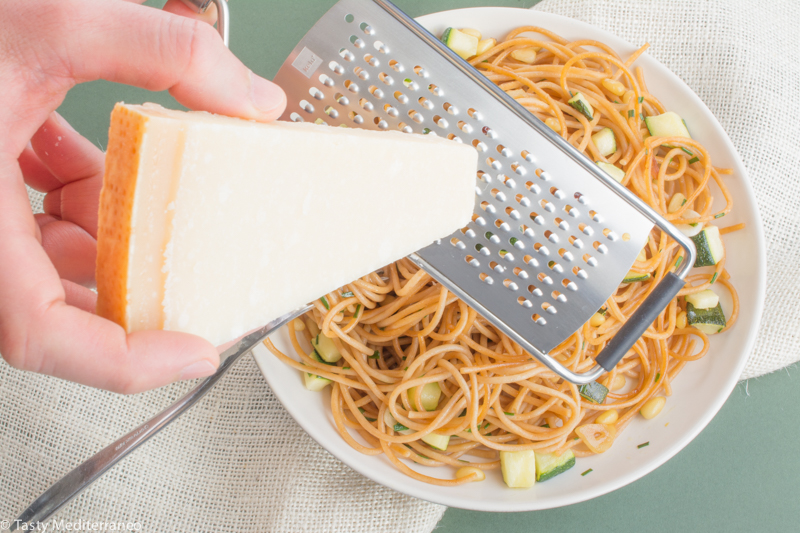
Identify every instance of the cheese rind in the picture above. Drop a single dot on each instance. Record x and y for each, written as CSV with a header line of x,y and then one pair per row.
x,y
226,224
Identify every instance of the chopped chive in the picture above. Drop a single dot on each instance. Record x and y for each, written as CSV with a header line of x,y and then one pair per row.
x,y
603,311
543,79
507,413
641,116
683,203
616,101
713,278
576,438
325,303
406,368
583,345
588,471
463,461
426,130
545,426
348,294
694,160
641,99
642,445
631,113
375,355
686,150
486,425
571,95
658,376
678,262
358,310
719,215
463,413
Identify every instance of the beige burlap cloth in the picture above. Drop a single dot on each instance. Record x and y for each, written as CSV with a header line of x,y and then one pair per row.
x,y
238,462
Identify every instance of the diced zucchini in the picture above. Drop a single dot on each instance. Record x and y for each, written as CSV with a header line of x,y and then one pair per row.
x,y
690,230
430,396
633,277
579,102
314,382
435,440
463,44
710,250
325,348
519,468
706,299
605,141
613,171
709,321
669,124
550,465
676,202
594,392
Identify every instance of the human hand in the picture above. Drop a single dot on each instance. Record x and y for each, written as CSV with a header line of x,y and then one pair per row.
x,y
47,261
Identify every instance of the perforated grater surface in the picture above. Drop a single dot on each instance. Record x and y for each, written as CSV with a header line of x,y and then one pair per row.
x,y
552,235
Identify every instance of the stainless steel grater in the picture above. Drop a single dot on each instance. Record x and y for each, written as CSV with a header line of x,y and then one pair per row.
x,y
552,236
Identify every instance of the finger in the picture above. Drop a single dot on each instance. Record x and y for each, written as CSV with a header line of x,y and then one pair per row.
x,y
36,173
74,162
79,296
156,50
72,251
177,7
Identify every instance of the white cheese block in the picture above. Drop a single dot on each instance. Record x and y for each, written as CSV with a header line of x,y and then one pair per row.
x,y
214,226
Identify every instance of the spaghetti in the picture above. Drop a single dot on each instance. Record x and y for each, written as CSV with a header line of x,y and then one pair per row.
x,y
398,331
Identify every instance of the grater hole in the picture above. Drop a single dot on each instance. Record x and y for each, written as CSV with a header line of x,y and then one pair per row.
x,y
457,243
502,150
391,111
542,249
396,65
555,267
538,319
526,230
435,89
482,249
576,242
558,296
518,169
326,80
492,237
336,67
349,18
610,235
346,54
479,220
520,273
380,47
472,261
536,217
450,108
555,191
549,308
411,84
480,146
374,91
602,248
580,272
474,114
496,192
487,207
341,99
454,137
382,124
366,28
534,290
530,260
595,216
371,60
571,211
296,118
589,260
562,223
486,278
494,163
502,225
463,126
513,213
489,132
415,116
581,198
405,128
522,200
357,42
385,78
351,86
366,104
424,102
307,107
547,206
483,176
331,112
585,229
439,121
400,97
550,236
355,117
419,71
510,284
494,265
527,156
524,302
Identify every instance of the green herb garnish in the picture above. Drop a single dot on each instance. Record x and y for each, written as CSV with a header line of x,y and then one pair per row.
x,y
375,355
358,309
348,294
507,413
658,376
631,113
683,203
399,427
713,279
588,471
325,303
686,150
719,215
694,160
642,445
678,262
641,99
545,426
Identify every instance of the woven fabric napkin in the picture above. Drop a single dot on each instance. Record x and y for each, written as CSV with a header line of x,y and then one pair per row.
x,y
238,462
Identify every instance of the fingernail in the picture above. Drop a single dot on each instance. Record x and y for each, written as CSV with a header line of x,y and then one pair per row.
x,y
267,97
196,370
62,121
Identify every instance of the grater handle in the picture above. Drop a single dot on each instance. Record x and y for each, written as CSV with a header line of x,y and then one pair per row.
x,y
638,323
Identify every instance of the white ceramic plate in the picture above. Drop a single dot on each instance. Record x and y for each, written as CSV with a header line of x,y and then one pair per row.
x,y
699,391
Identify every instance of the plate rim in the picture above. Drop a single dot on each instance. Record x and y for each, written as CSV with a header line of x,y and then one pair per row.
x,y
719,398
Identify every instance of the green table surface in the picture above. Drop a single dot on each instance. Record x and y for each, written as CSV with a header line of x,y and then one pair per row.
x,y
742,473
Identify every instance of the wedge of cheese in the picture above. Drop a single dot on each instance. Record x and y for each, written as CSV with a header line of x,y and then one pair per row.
x,y
215,226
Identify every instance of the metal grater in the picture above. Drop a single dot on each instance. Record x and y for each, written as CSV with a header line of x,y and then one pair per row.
x,y
552,236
